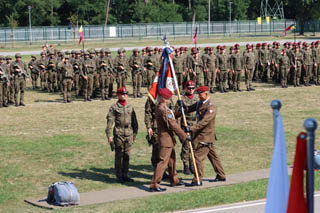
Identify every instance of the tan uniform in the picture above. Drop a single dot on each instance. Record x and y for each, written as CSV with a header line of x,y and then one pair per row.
x,y
167,128
42,64
19,80
67,76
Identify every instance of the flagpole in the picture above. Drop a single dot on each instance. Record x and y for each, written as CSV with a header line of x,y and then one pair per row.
x,y
183,115
275,105
310,125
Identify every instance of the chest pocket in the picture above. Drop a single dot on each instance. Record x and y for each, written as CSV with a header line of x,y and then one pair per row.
x,y
123,121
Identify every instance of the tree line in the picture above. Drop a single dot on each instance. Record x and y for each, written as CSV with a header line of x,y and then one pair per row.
x,y
93,12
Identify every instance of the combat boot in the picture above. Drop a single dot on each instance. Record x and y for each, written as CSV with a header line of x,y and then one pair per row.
x,y
186,170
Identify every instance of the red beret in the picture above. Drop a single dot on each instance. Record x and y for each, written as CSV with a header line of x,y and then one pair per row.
x,y
202,89
165,93
258,45
189,83
122,91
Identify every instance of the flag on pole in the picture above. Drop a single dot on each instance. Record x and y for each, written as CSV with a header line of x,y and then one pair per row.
x,y
278,185
291,27
164,77
194,39
297,202
81,34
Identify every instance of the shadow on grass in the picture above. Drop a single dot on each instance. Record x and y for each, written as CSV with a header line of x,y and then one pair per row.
x,y
108,175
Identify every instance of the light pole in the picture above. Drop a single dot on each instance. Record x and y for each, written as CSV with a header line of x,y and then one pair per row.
x,y
209,27
30,32
230,3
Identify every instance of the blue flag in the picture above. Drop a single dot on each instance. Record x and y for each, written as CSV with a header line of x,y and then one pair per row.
x,y
278,185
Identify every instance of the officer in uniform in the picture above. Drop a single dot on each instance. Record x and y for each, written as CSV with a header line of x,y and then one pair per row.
x,y
188,99
19,70
122,67
136,65
67,76
204,135
167,128
284,63
123,117
35,72
249,66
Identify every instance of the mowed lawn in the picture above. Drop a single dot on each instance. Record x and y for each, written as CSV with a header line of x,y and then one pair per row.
x,y
49,141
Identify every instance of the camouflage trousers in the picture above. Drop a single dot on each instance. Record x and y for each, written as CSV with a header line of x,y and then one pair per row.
x,y
67,87
19,87
44,80
104,85
284,75
76,83
136,83
307,73
248,77
52,82
34,77
122,155
3,93
236,77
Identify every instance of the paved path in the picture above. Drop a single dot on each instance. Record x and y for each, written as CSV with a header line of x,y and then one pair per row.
x,y
124,193
256,206
187,45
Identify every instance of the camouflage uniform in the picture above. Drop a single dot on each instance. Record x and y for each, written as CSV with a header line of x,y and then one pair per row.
x,y
10,92
125,128
284,63
264,61
223,71
52,73
308,65
151,65
34,72
77,67
88,69
211,64
4,81
249,66
177,61
19,70
42,64
136,64
296,62
122,67
67,75
195,66
236,64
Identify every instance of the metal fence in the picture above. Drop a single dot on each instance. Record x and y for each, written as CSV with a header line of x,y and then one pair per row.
x,y
141,31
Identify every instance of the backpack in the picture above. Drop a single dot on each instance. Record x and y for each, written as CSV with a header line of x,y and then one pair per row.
x,y
63,194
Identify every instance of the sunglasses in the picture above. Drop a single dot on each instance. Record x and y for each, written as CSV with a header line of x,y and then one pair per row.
x,y
190,88
124,93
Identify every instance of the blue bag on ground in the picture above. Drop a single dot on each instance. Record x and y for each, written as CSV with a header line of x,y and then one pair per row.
x,y
63,194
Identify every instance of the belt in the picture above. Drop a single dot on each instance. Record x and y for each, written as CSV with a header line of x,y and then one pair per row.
x,y
124,126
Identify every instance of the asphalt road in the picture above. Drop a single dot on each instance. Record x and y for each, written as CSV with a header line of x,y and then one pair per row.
x,y
187,45
246,207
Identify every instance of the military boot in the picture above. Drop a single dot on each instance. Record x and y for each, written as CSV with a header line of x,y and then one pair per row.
x,y
186,170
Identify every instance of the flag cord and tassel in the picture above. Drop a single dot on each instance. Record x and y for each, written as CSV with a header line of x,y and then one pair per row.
x,y
184,119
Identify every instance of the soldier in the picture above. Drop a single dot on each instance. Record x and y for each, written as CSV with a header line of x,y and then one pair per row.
x,y
4,83
77,67
167,127
249,66
96,78
42,64
136,65
264,61
284,63
88,69
257,70
223,69
236,64
296,62
230,73
122,67
11,85
35,72
204,135
275,55
195,66
150,66
103,73
67,75
52,72
308,65
177,61
60,59
211,64
188,99
111,74
317,64
125,130
19,69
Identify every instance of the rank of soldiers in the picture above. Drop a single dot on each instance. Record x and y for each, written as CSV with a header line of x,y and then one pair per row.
x,y
93,73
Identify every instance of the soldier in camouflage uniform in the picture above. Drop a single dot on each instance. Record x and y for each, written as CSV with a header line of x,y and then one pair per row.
x,y
19,70
121,66
104,72
77,67
150,66
177,61
284,63
11,86
195,66
308,65
4,83
111,74
52,72
67,73
136,65
317,64
211,64
42,64
122,116
60,59
275,55
88,69
224,69
264,61
230,74
257,70
296,62
35,72
249,66
188,99
236,66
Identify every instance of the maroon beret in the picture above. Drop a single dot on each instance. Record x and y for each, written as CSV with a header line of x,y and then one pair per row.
x,y
122,91
189,83
165,93
202,89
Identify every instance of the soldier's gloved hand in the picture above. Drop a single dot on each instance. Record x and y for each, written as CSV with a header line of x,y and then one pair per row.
x,y
187,129
188,139
180,103
112,146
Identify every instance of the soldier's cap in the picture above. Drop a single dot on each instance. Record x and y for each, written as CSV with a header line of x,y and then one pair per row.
x,y
210,48
249,46
86,52
264,44
136,50
202,89
237,45
258,45
284,50
92,51
1,57
121,50
306,45
33,56
77,52
102,50
223,47
149,49
72,51
189,83
299,42
122,91
181,48
206,48
160,49
218,47
66,52
177,49
156,49
17,55
289,43
8,57
97,50
231,48
165,93
194,50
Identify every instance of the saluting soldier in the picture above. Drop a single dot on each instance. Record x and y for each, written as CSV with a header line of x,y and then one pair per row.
x,y
204,135
19,70
167,128
67,73
188,99
122,116
249,66
121,66
35,72
284,63
136,65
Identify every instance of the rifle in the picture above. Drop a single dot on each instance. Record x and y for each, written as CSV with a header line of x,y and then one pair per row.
x,y
23,72
4,75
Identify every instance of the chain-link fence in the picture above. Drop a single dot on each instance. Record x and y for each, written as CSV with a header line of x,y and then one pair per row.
x,y
141,31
